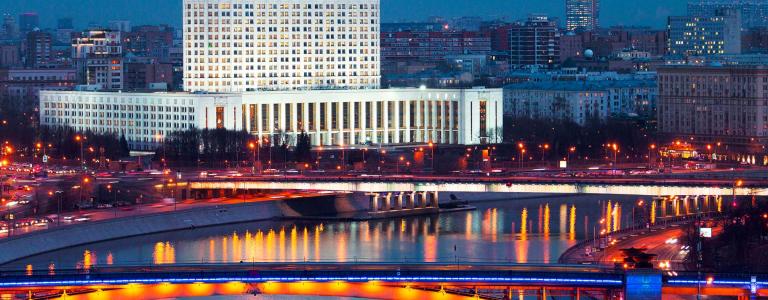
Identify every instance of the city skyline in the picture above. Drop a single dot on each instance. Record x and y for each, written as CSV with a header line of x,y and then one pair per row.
x,y
651,13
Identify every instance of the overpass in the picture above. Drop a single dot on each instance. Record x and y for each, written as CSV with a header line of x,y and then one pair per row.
x,y
202,187
378,280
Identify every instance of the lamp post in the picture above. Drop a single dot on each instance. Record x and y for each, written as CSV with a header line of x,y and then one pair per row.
x,y
80,139
256,153
432,148
650,151
382,156
544,149
521,149
709,151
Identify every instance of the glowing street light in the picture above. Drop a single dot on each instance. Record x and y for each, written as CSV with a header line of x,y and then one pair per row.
x,y
432,147
256,156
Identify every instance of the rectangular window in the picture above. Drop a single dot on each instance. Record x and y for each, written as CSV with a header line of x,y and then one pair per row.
x,y
483,119
252,117
345,114
300,116
276,117
391,115
380,114
219,117
369,114
356,115
264,117
413,114
288,117
323,121
334,116
311,114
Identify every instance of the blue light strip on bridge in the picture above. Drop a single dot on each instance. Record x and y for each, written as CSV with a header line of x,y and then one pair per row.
x,y
563,281
715,282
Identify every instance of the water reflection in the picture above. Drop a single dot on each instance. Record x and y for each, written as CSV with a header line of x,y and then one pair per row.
x,y
496,231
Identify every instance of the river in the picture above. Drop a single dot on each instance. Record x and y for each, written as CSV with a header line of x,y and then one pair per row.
x,y
519,230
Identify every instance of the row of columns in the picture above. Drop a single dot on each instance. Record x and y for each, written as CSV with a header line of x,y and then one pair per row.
x,y
389,201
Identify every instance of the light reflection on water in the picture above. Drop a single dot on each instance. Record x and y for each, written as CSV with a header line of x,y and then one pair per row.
x,y
515,230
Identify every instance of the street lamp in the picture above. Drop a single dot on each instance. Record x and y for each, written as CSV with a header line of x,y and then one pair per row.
x,y
650,151
432,147
521,149
256,153
81,140
615,148
544,149
114,201
402,158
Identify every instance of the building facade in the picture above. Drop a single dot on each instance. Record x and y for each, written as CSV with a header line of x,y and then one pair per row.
x,y
38,49
22,86
582,15
98,57
580,102
703,35
536,43
257,45
754,13
707,104
330,117
432,46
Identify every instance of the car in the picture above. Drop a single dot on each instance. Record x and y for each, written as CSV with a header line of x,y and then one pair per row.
x,y
68,218
83,218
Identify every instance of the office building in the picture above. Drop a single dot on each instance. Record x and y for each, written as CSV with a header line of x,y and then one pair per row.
x,y
150,41
710,104
21,87
330,117
98,56
120,25
28,21
38,50
703,35
256,45
146,74
754,13
580,101
10,55
582,15
432,46
10,30
64,30
536,43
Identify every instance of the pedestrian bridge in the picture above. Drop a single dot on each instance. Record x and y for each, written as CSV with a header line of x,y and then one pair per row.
x,y
373,280
614,186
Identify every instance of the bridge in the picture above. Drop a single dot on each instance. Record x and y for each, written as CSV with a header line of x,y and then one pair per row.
x,y
203,187
374,280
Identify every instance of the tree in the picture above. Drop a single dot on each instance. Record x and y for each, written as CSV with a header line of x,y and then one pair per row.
x,y
302,152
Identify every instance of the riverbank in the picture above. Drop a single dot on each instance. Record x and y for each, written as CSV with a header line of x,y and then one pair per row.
x,y
326,207
39,242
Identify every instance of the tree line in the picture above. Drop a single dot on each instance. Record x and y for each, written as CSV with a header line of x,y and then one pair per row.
x,y
21,131
214,146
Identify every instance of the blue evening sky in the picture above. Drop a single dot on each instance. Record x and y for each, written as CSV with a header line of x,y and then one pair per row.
x,y
614,12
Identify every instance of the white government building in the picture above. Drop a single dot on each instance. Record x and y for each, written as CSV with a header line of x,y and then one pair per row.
x,y
252,45
330,117
282,67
